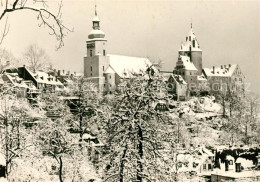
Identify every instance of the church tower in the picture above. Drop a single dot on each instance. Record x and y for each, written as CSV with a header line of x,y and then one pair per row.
x,y
96,60
192,49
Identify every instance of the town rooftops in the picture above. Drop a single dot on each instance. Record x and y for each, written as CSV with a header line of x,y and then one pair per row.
x,y
126,66
222,71
45,78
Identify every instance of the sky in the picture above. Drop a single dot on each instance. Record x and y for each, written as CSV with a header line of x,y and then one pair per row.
x,y
228,32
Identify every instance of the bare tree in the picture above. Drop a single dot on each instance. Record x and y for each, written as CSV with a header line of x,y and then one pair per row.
x,y
6,59
44,14
36,58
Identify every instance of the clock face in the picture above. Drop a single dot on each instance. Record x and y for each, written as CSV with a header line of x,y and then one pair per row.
x,y
91,45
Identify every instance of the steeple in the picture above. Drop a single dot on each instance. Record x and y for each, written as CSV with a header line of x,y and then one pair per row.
x,y
96,20
96,32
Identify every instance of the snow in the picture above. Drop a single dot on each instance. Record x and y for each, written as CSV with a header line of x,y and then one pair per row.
x,y
201,78
96,19
178,79
242,174
187,63
2,159
97,32
188,43
109,70
221,72
126,66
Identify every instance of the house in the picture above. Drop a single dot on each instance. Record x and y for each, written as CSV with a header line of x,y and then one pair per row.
x,y
23,88
107,70
199,160
178,87
225,77
43,81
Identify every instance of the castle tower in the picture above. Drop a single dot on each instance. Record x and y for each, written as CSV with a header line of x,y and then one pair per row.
x,y
192,49
96,61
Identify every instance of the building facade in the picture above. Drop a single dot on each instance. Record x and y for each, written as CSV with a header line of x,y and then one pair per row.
x,y
106,71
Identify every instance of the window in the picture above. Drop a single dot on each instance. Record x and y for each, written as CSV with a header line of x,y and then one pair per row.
x,y
189,38
104,52
193,43
90,68
109,76
90,74
209,166
204,166
90,53
190,73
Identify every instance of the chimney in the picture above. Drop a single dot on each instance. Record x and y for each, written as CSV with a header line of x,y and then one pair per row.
x,y
58,72
63,71
213,69
229,65
221,66
226,165
68,73
74,73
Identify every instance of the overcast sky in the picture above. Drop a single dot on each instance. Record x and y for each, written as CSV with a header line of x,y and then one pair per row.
x,y
227,31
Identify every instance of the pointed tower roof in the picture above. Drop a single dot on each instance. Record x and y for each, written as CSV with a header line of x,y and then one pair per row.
x,y
96,33
191,42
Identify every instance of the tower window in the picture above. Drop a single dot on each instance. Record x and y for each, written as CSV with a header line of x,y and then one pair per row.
x,y
90,53
104,52
90,68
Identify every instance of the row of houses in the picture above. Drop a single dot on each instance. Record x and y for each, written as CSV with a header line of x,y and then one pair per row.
x,y
27,83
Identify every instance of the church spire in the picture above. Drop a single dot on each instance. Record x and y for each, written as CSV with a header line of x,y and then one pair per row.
x,y
95,9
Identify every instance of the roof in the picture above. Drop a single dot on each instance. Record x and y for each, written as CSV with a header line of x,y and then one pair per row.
x,y
126,66
224,71
178,79
109,70
42,77
187,63
201,78
188,43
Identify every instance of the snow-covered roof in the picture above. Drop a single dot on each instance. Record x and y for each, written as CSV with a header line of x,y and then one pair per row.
x,y
189,43
16,80
126,66
187,63
201,78
42,77
222,71
178,79
109,70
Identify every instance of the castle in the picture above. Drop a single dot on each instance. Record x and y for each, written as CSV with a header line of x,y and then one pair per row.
x,y
186,79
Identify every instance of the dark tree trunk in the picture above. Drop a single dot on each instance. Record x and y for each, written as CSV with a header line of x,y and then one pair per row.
x,y
122,165
60,169
141,153
6,148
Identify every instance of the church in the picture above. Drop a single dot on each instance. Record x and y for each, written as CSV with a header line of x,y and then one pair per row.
x,y
198,79
188,78
107,70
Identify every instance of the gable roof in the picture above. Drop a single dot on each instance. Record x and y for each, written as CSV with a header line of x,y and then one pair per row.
x,y
42,77
222,71
178,79
187,63
126,66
